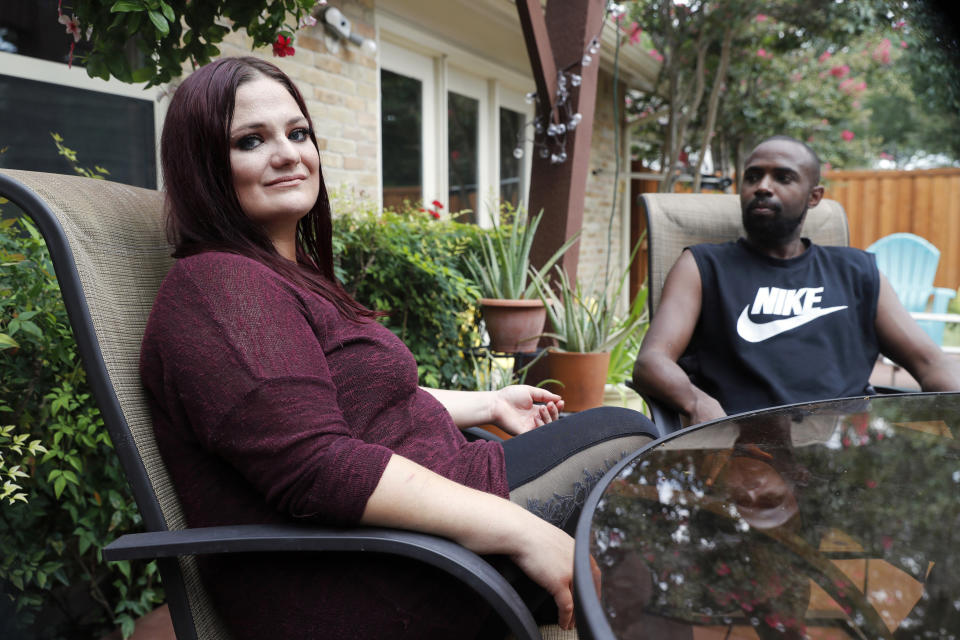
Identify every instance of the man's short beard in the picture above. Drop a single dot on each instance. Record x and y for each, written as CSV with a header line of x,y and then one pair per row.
x,y
771,230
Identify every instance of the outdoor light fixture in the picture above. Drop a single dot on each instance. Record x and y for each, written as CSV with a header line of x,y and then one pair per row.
x,y
337,24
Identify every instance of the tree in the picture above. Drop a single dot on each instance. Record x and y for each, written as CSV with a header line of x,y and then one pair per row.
x,y
151,40
816,71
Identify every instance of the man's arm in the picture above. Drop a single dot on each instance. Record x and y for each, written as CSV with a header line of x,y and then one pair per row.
x,y
656,372
903,341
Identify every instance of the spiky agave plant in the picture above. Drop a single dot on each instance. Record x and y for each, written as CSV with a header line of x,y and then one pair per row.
x,y
502,268
583,320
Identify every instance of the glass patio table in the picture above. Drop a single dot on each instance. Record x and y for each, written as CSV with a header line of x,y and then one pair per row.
x,y
834,519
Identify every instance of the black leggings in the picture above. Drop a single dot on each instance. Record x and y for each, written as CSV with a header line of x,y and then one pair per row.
x,y
550,470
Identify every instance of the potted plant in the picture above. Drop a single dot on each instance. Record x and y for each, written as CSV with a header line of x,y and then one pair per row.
x,y
513,313
586,330
624,354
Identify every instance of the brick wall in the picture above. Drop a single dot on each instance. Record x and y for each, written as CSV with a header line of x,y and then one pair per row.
x,y
340,84
599,194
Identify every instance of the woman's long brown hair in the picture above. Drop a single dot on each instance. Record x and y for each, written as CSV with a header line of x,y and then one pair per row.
x,y
203,211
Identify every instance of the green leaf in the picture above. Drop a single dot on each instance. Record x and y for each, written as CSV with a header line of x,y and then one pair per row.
x,y
123,6
163,27
31,328
58,486
167,11
6,342
124,567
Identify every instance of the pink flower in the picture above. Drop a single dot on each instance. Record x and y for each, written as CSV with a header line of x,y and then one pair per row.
x,y
307,21
903,44
827,167
635,32
824,56
656,55
847,135
871,484
840,71
899,24
861,86
882,52
763,53
885,156
856,104
282,46
73,27
761,17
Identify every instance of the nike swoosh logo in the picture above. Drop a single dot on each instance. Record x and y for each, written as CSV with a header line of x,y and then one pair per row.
x,y
753,332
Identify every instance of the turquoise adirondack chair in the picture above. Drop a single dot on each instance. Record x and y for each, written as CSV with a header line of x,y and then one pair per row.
x,y
910,264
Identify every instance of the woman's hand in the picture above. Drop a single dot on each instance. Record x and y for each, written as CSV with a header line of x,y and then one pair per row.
x,y
519,408
547,558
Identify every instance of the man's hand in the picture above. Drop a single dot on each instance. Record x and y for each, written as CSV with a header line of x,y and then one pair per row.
x,y
705,408
519,408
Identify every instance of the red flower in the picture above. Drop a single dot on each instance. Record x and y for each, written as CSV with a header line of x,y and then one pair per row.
x,y
435,214
437,204
761,17
871,484
847,135
840,71
282,46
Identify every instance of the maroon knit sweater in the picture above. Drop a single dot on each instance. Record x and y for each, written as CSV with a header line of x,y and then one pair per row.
x,y
270,406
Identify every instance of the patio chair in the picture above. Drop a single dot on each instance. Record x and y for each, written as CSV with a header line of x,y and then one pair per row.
x,y
678,220
910,264
110,255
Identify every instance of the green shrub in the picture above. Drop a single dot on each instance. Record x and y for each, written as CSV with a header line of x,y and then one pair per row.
x,y
73,498
411,265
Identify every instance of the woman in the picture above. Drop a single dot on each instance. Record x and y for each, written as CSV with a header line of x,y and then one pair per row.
x,y
277,397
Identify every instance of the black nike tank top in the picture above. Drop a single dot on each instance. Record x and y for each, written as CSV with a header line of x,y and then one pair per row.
x,y
775,332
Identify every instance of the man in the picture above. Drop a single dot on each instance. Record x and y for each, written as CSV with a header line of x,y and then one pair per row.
x,y
772,318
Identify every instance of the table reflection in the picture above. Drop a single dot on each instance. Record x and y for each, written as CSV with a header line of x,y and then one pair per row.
x,y
831,520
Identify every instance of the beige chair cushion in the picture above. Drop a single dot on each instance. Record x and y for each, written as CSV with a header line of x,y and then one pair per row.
x,y
678,220
116,234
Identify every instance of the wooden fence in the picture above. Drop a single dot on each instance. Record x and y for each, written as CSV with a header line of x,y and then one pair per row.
x,y
926,203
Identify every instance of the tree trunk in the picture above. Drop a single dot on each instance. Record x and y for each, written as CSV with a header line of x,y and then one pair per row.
x,y
713,103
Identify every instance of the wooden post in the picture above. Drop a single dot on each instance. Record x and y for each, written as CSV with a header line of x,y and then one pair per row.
x,y
557,39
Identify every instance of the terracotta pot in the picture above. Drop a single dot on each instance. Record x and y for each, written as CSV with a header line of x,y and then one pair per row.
x,y
583,376
514,325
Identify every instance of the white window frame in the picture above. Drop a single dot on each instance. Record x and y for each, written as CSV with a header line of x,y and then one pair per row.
x,y
475,88
419,67
58,73
405,49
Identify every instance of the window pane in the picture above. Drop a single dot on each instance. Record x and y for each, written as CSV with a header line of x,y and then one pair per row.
x,y
401,109
511,168
462,133
114,132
